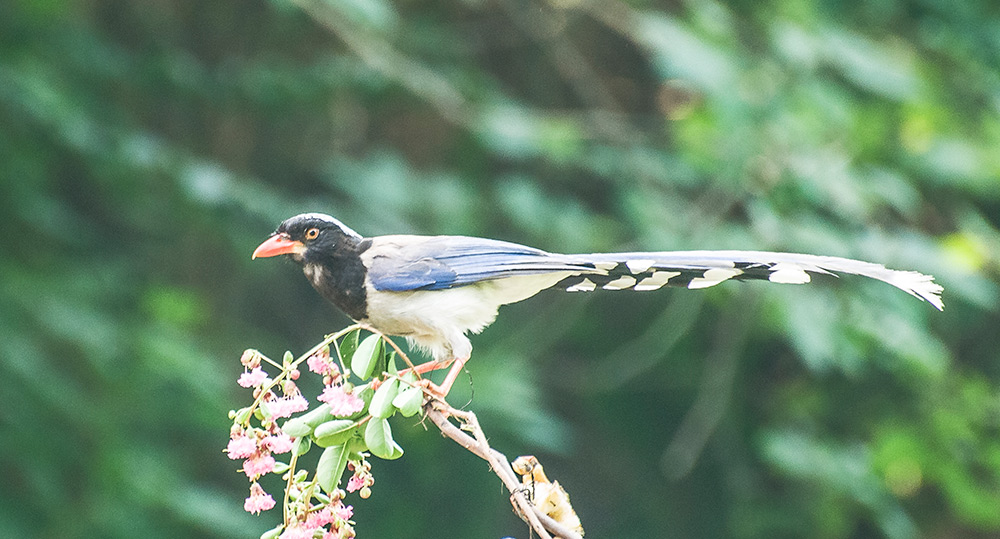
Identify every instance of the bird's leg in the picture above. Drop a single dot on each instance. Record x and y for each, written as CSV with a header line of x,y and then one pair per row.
x,y
421,370
426,367
457,364
456,368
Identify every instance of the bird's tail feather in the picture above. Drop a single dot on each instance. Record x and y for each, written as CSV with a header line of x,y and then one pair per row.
x,y
702,269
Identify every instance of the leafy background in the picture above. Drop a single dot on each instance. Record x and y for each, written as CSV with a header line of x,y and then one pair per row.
x,y
147,147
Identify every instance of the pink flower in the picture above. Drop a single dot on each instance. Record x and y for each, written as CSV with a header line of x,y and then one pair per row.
x,y
281,443
355,483
255,378
318,519
258,500
341,403
241,447
321,364
286,406
344,512
258,465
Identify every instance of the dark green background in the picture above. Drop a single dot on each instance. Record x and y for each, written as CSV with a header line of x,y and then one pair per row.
x,y
147,147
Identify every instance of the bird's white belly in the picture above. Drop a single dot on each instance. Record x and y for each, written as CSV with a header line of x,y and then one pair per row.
x,y
437,320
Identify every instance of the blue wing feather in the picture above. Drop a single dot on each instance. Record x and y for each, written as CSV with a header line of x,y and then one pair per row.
x,y
400,263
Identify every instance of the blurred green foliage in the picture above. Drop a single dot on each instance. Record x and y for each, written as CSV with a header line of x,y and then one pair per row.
x,y
147,147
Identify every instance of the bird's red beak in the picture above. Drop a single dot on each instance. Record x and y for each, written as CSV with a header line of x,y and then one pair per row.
x,y
278,244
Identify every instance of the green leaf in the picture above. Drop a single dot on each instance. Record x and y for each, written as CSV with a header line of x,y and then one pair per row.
x,y
334,432
381,405
331,467
396,452
287,359
378,436
390,363
280,467
296,427
382,360
302,446
273,533
356,445
366,357
409,401
305,423
318,415
263,412
348,345
243,415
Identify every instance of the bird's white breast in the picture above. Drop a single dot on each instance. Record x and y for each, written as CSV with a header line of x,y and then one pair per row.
x,y
437,320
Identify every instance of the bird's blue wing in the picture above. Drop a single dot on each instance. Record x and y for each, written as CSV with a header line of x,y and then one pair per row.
x,y
400,263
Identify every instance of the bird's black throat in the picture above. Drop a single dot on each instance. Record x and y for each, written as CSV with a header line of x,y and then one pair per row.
x,y
339,276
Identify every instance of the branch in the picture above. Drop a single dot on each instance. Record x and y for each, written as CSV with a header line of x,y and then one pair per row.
x,y
439,413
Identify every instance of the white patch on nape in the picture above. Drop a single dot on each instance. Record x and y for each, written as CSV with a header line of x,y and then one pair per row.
x,y
713,277
639,265
324,217
788,273
585,285
656,280
621,283
318,217
605,266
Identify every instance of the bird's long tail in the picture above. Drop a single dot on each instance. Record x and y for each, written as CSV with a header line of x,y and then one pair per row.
x,y
702,269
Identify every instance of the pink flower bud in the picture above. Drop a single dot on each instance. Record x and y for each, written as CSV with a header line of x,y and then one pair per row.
x,y
250,359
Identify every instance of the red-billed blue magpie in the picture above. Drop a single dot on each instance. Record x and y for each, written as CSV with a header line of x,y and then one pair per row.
x,y
433,290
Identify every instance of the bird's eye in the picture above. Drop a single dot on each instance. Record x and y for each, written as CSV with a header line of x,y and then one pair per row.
x,y
312,233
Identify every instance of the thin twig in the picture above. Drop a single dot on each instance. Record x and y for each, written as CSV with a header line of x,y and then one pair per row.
x,y
439,413
288,488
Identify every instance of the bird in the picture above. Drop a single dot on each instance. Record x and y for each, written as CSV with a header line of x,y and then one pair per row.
x,y
436,290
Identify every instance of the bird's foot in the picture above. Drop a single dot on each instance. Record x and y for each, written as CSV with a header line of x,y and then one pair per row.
x,y
431,388
439,391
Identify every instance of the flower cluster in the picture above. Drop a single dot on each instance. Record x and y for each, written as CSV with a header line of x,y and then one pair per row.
x,y
337,392
256,446
258,500
362,479
256,438
342,401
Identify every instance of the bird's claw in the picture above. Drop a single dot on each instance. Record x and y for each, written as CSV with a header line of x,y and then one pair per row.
x,y
431,388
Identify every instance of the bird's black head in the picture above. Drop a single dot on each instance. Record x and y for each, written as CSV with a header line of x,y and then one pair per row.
x,y
310,237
